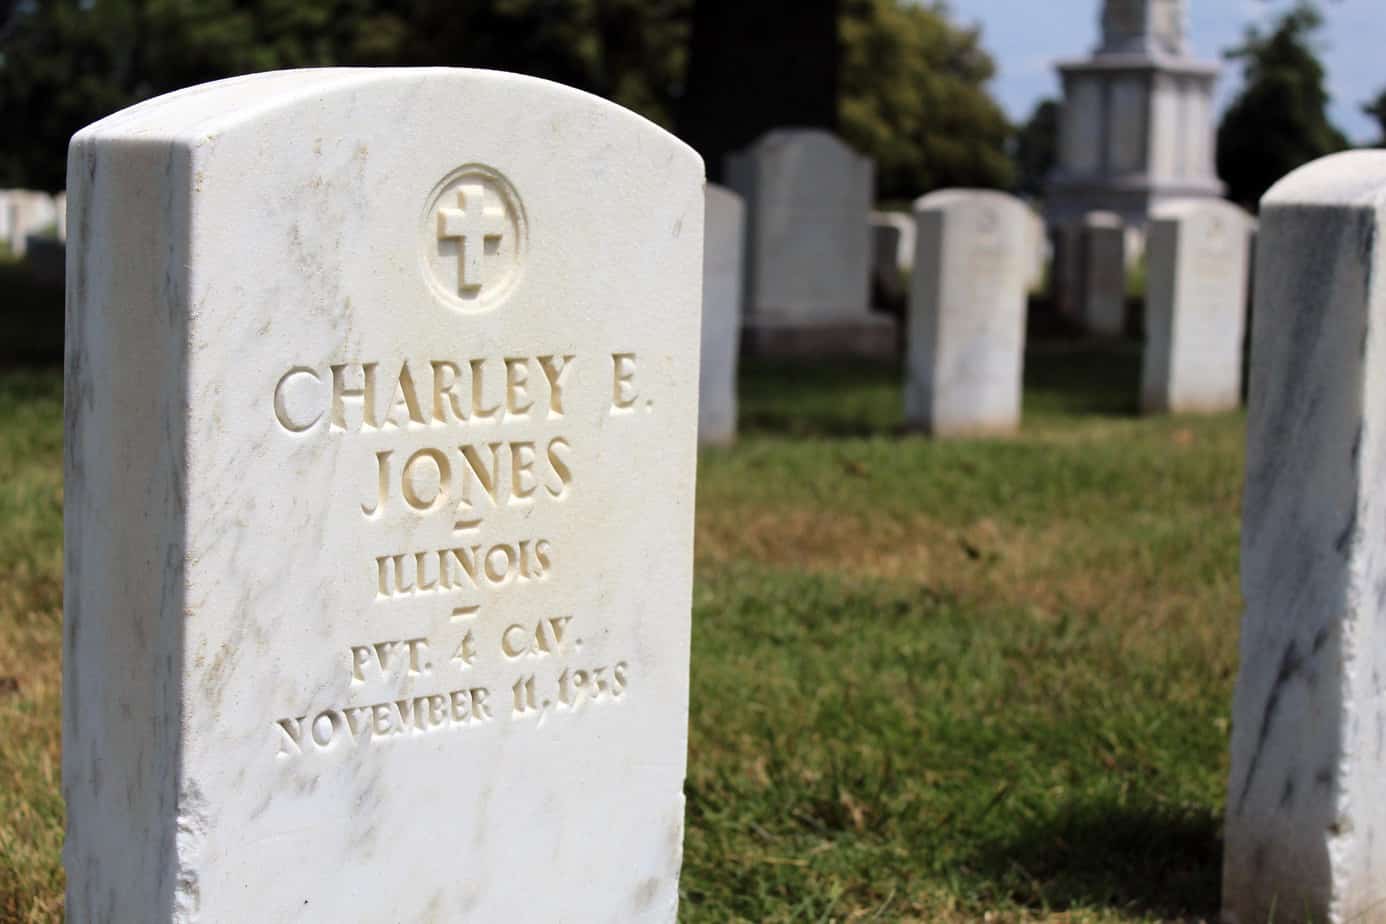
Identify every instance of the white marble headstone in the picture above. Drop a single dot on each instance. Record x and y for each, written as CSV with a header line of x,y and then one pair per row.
x,y
1104,274
381,434
885,266
892,251
30,212
1195,315
1040,249
966,335
723,245
809,250
1305,832
1067,245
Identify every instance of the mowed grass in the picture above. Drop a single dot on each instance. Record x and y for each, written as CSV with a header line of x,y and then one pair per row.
x,y
31,572
932,681
979,680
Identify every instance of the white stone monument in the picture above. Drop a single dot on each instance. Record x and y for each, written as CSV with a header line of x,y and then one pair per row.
x,y
724,244
1066,242
808,256
380,448
966,333
1041,251
1195,308
1103,280
892,253
902,223
1136,126
1305,832
30,212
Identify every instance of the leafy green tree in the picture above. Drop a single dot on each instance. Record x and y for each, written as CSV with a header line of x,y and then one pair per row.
x,y
914,97
1037,148
1377,110
630,51
911,93
59,69
756,66
1279,121
65,63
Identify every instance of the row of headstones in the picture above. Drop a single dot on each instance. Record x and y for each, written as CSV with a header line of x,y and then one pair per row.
x,y
894,242
379,481
1094,254
977,254
813,247
808,197
26,213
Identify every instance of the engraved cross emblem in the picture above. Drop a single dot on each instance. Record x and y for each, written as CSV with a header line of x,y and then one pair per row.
x,y
477,230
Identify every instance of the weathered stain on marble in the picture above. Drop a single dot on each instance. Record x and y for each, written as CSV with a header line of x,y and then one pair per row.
x,y
223,576
1307,740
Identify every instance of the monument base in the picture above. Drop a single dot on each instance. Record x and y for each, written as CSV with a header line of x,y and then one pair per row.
x,y
870,336
1136,126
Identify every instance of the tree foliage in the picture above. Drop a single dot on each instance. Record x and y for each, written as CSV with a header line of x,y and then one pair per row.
x,y
69,62
1279,121
1377,110
629,51
754,67
65,63
1037,148
912,92
914,98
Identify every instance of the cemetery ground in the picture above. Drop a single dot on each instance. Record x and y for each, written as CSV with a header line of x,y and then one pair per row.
x,y
931,681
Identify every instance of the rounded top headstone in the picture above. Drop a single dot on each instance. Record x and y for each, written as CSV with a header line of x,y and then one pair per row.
x,y
400,360
200,111
991,211
481,163
722,198
1216,225
1183,208
1347,178
1101,219
952,198
818,139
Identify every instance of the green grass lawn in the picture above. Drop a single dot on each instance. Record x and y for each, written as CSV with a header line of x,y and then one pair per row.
x,y
970,681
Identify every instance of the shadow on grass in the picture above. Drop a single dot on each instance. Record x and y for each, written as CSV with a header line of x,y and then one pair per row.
x,y
819,398
805,399
1083,377
1162,861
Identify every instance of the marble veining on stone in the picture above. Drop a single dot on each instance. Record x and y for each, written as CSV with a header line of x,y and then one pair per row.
x,y
1305,811
381,414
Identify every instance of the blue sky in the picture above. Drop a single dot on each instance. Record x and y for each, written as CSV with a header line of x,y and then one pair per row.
x,y
1026,37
